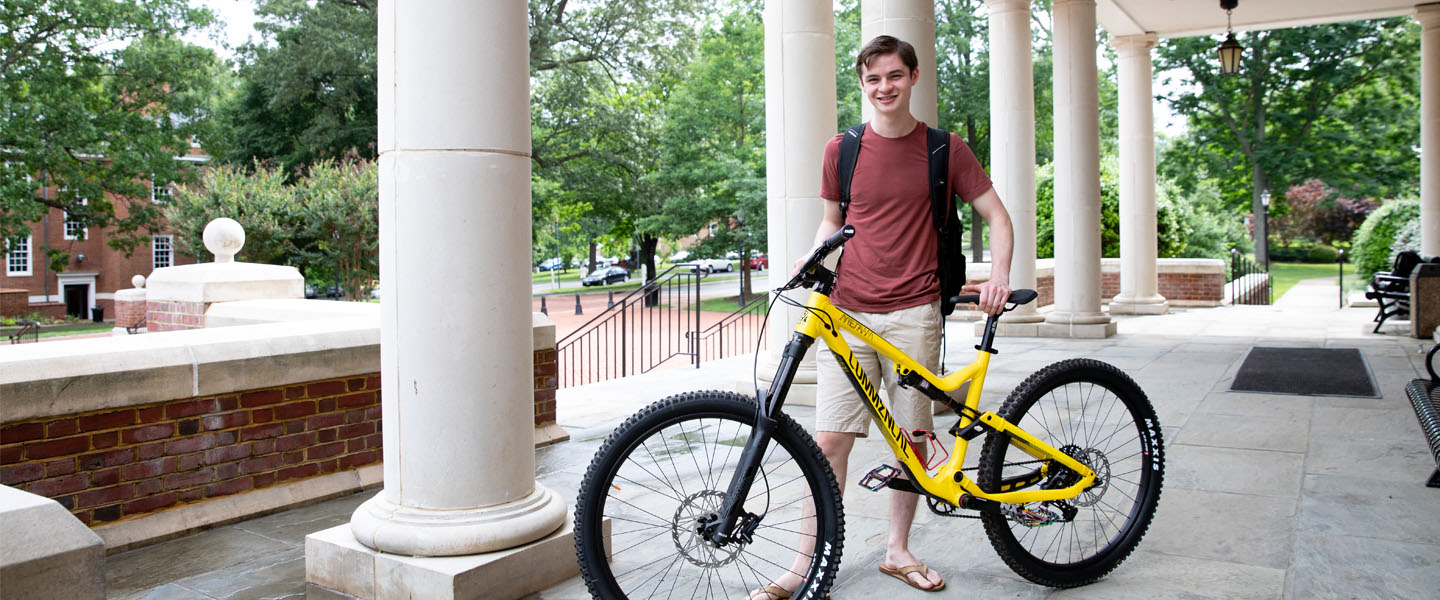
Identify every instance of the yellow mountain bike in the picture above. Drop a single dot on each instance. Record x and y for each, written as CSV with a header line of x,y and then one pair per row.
x,y
713,494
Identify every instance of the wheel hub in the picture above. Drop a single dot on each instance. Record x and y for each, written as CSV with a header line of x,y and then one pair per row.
x,y
1098,463
688,526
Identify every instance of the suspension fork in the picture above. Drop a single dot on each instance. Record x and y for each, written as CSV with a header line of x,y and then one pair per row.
x,y
721,528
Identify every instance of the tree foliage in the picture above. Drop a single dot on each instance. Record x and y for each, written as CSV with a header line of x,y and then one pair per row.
x,y
1334,102
1315,211
325,223
308,85
99,97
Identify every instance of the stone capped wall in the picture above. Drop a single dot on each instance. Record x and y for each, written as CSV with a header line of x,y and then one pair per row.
x,y
108,465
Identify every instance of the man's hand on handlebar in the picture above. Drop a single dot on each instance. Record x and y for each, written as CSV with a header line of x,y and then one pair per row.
x,y
992,295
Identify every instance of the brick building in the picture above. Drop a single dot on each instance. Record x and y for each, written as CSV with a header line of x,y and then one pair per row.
x,y
95,271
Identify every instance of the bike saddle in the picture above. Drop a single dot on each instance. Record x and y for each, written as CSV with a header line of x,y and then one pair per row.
x,y
1017,298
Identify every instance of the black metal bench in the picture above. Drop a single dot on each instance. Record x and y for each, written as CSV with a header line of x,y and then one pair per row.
x,y
1391,289
1425,397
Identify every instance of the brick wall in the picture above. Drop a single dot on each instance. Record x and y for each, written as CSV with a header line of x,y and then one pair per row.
x,y
1192,286
14,303
173,315
129,313
112,464
547,378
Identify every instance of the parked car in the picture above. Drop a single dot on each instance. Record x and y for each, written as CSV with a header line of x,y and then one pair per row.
x,y
551,264
606,276
680,256
759,262
711,265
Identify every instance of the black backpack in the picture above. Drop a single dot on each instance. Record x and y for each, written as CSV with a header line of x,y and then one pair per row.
x,y
950,264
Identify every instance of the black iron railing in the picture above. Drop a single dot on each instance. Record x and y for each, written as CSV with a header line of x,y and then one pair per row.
x,y
738,333
30,328
1246,282
649,327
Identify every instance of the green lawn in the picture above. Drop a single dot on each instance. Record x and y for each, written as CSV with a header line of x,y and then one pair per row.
x,y
1286,275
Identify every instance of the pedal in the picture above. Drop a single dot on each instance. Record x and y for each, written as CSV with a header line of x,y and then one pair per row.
x,y
878,477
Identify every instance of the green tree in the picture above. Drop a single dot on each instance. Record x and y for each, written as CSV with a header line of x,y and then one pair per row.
x,y
338,205
308,85
325,223
713,142
98,98
257,198
1334,102
599,71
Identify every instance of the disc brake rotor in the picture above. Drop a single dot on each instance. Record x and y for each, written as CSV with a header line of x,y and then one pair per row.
x,y
685,526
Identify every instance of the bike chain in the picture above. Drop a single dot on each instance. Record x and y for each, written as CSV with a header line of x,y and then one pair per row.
x,y
951,509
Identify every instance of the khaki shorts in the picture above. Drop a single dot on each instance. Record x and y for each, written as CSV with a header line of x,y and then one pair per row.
x,y
914,331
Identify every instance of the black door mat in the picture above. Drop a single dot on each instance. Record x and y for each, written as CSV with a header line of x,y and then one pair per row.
x,y
1305,371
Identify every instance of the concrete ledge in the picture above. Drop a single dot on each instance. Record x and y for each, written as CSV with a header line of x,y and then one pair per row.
x,y
550,433
255,312
189,518
224,282
74,376
47,552
335,560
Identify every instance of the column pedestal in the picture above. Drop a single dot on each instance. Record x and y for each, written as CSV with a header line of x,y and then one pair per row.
x,y
335,560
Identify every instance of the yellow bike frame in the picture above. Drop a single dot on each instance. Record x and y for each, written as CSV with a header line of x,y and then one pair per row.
x,y
949,482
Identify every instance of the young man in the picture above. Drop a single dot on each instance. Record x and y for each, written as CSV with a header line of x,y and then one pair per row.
x,y
887,278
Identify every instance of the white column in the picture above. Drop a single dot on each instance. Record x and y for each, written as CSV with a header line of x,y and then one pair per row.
x,y
1429,17
454,133
799,119
912,21
1077,176
1012,143
1139,285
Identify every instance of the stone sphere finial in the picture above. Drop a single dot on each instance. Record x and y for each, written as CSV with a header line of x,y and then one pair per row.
x,y
224,237
138,281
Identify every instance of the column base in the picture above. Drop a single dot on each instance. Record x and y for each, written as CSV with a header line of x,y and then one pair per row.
x,y
334,559
1078,330
1133,305
396,529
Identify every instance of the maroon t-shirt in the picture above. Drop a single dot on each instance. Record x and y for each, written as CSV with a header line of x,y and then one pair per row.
x,y
890,263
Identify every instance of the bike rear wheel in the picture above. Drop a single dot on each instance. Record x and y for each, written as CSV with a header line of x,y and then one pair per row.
x,y
1098,415
669,465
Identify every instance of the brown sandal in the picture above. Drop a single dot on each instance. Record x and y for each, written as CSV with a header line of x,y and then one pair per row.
x,y
903,574
770,591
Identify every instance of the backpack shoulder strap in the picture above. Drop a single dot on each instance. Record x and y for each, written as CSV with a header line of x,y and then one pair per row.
x,y
937,142
849,153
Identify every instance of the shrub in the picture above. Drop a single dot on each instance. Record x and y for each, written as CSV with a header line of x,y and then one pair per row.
x,y
1304,253
1170,220
1372,242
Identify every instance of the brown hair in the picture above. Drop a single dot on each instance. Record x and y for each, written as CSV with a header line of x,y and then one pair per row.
x,y
883,45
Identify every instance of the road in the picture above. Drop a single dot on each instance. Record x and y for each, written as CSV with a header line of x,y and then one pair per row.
x,y
712,286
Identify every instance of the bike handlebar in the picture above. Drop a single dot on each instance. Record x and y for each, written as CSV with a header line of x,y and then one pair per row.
x,y
831,244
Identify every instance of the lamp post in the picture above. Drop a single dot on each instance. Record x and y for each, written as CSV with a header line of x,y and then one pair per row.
x,y
1262,250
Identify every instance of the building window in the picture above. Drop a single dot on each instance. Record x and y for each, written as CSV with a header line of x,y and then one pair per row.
x,y
160,249
161,193
73,230
17,257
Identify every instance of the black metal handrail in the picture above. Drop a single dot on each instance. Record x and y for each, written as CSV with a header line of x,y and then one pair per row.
x,y
1248,282
31,328
647,328
737,333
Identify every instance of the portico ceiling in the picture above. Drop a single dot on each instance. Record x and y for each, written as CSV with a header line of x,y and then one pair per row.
x,y
1182,18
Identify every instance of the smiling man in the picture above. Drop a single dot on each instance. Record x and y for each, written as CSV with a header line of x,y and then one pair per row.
x,y
887,279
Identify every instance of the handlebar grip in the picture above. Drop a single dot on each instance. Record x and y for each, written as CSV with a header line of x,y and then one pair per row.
x,y
839,237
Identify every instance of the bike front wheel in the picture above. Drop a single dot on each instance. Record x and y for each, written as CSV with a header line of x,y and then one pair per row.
x,y
1096,414
669,466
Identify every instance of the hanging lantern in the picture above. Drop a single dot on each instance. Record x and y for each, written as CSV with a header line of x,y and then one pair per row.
x,y
1230,50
